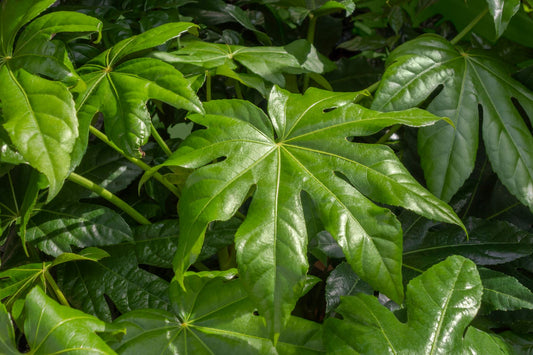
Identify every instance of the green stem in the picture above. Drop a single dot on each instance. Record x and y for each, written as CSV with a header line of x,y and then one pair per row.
x,y
238,90
160,141
469,27
311,30
59,295
207,86
373,87
389,133
412,268
136,161
475,189
108,195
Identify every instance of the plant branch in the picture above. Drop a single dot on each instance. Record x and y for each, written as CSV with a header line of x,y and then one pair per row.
x,y
389,133
469,27
108,195
136,161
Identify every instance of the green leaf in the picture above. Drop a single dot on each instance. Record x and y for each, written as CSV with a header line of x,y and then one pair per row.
x,y
418,68
343,282
479,342
502,11
40,118
7,333
440,305
268,63
50,328
120,90
119,278
488,243
16,281
310,147
214,315
503,292
81,225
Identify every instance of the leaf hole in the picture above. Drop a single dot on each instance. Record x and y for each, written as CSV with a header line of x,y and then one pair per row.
x,y
112,307
424,104
522,113
255,313
329,109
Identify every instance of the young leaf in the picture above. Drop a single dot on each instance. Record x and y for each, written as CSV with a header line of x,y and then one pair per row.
x,y
440,305
51,328
81,225
418,68
120,89
310,153
39,114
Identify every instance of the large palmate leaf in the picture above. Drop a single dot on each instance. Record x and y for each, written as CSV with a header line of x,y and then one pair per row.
x,y
417,68
440,305
51,328
214,316
302,146
120,88
7,333
38,114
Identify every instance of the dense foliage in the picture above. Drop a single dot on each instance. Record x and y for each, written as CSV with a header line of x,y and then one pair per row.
x,y
266,176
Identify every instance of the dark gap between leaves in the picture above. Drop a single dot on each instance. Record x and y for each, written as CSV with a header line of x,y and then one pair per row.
x,y
522,113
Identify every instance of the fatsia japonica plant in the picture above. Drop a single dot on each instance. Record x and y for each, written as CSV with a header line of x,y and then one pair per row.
x,y
266,177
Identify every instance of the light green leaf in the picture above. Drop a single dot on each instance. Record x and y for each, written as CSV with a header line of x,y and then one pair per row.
x,y
503,292
7,333
80,225
310,148
418,68
51,328
440,305
502,11
120,90
479,342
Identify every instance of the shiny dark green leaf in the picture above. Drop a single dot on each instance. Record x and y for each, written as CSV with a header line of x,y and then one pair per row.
x,y
489,243
502,292
310,147
81,225
343,282
418,68
502,11
7,333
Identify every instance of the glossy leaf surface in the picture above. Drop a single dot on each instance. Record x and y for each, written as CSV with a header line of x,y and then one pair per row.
x,y
39,114
213,316
80,225
7,333
418,68
440,305
310,148
51,328
502,11
120,89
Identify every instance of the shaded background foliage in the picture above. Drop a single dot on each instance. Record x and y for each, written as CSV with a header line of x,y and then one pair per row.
x,y
128,88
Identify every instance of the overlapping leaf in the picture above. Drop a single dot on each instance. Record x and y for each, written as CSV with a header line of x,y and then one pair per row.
x,y
417,69
440,305
264,63
51,328
39,114
120,277
213,316
119,88
302,146
503,292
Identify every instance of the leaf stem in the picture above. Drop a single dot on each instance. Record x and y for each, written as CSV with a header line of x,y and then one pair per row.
x,y
475,189
207,86
136,161
238,90
60,296
160,141
389,133
469,27
108,195
311,30
373,87
503,211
